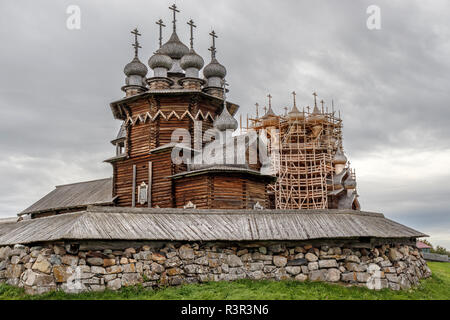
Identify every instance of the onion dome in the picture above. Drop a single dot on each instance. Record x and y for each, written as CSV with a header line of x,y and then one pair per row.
x,y
350,183
339,157
160,60
214,69
225,121
192,60
295,113
135,68
174,48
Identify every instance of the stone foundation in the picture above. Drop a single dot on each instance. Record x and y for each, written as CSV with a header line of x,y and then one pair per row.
x,y
49,267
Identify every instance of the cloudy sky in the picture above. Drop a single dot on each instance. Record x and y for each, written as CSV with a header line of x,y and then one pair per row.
x,y
391,85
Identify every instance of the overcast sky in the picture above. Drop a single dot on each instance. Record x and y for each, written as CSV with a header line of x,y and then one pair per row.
x,y
392,86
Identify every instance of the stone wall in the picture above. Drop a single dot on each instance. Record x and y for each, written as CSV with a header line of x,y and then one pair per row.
x,y
44,268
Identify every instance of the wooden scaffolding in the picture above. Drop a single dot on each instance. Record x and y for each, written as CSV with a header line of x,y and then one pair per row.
x,y
302,156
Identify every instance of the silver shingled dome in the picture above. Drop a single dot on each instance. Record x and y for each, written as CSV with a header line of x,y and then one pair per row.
x,y
225,121
192,60
160,60
135,68
214,69
174,48
339,157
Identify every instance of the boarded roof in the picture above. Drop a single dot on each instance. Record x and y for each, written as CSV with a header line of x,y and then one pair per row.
x,y
7,224
422,245
76,195
109,223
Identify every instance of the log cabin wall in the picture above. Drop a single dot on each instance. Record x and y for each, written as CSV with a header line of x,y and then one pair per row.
x,y
144,135
195,189
220,191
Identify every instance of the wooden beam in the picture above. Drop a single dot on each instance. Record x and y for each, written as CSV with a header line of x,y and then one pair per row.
x,y
133,193
150,179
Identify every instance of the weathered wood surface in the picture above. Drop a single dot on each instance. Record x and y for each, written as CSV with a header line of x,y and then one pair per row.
x,y
112,223
74,195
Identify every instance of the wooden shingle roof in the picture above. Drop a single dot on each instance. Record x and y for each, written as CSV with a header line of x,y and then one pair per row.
x,y
115,223
72,196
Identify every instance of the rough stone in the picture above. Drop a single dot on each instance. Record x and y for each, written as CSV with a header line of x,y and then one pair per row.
x,y
14,271
348,276
318,275
328,264
313,266
109,262
311,257
98,270
186,253
129,268
297,261
394,255
158,258
293,270
279,261
362,276
333,275
301,277
131,279
234,261
353,258
42,265
95,261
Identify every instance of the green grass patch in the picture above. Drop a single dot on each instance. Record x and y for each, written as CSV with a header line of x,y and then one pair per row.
x,y
435,288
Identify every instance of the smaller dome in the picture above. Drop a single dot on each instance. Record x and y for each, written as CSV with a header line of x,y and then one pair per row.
x,y
174,48
295,113
339,157
350,183
225,121
160,60
135,68
316,115
214,69
192,60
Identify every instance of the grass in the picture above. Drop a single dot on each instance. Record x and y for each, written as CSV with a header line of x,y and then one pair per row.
x,y
435,288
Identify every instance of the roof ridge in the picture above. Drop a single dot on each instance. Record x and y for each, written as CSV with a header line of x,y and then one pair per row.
x,y
71,184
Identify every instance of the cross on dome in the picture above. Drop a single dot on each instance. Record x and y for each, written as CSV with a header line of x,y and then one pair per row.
x,y
136,44
161,24
175,10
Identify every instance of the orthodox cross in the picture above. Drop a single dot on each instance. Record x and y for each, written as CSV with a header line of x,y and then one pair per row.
x,y
322,102
257,110
192,25
161,24
270,100
213,47
136,42
308,108
294,95
315,99
175,10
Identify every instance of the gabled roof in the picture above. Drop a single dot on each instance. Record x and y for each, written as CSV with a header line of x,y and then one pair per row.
x,y
422,245
72,196
134,224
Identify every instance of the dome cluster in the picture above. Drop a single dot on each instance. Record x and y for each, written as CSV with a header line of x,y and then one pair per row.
x,y
174,59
